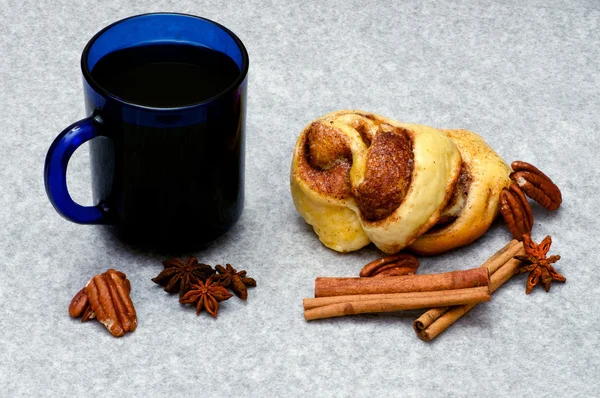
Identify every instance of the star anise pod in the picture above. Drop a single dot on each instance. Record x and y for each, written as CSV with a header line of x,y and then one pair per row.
x,y
538,265
229,277
206,295
179,275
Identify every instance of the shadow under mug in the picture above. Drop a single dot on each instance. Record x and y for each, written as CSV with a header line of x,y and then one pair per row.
x,y
165,177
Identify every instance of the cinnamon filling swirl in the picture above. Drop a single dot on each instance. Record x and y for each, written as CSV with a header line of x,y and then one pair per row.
x,y
326,163
387,176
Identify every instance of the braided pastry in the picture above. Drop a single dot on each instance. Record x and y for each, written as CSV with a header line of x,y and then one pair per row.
x,y
358,177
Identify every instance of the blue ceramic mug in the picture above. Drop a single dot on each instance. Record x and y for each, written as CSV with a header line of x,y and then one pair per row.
x,y
167,173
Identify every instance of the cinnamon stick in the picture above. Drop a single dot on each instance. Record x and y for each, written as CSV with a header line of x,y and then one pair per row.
x,y
326,287
310,303
502,256
502,266
394,302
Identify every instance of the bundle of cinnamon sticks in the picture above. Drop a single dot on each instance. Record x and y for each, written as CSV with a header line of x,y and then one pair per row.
x,y
448,295
501,266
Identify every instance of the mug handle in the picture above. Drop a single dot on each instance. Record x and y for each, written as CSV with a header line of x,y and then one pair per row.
x,y
55,172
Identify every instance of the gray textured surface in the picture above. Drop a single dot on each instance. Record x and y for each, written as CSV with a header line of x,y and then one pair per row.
x,y
525,75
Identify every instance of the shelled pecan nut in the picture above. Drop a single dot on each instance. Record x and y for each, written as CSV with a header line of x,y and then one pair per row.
x,y
120,297
79,304
394,265
106,298
537,185
109,298
516,211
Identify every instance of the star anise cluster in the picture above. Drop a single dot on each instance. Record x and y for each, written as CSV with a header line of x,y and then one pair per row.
x,y
202,285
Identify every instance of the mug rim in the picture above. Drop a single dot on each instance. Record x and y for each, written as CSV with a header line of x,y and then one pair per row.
x,y
87,73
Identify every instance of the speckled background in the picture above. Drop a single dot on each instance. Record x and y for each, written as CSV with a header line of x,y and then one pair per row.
x,y
523,74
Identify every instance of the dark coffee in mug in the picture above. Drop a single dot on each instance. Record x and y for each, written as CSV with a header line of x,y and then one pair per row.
x,y
165,75
165,96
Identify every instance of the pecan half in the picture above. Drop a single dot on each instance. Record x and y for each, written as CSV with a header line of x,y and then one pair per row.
x,y
537,185
516,211
109,298
119,292
79,304
394,265
106,297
